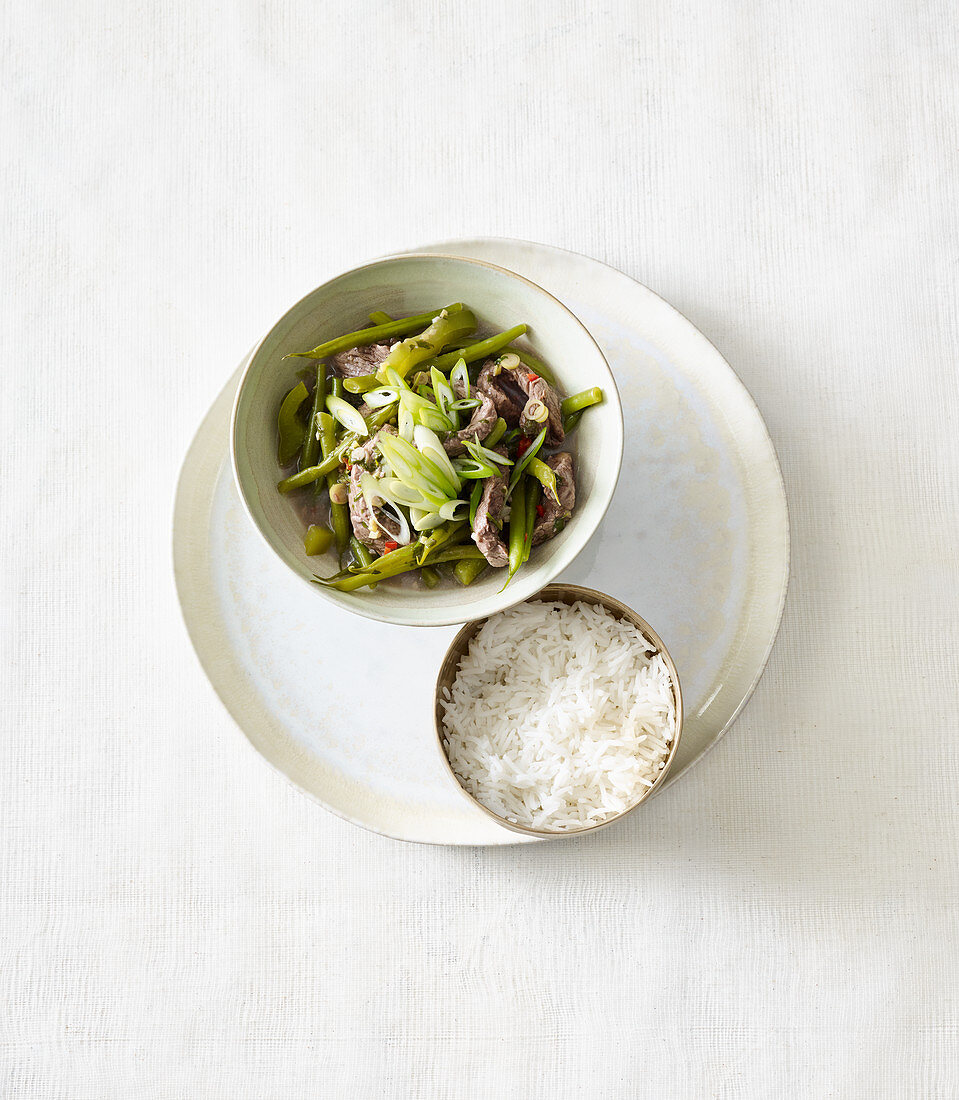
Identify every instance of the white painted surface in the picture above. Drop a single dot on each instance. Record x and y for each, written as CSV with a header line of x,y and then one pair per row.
x,y
177,921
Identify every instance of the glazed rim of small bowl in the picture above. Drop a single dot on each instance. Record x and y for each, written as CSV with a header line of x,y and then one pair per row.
x,y
563,559
569,594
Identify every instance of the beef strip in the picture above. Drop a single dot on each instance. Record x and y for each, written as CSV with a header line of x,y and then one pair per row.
x,y
363,458
538,389
502,391
489,519
479,427
556,512
360,361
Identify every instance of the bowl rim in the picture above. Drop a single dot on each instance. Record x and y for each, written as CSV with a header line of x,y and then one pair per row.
x,y
451,617
621,610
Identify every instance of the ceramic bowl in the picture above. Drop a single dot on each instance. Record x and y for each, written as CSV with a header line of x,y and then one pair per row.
x,y
568,594
404,285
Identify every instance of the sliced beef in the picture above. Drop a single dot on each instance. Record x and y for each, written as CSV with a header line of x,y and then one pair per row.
x,y
556,513
479,427
372,530
488,524
540,391
503,391
360,361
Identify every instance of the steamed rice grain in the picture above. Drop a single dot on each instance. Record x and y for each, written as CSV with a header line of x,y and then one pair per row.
x,y
560,717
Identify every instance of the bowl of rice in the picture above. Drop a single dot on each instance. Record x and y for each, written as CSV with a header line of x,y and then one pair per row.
x,y
560,715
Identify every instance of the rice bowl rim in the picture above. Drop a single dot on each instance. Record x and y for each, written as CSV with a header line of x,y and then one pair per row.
x,y
568,594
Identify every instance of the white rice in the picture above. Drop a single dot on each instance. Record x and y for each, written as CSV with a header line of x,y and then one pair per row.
x,y
560,717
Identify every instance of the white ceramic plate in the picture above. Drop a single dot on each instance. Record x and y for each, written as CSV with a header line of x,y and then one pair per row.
x,y
696,541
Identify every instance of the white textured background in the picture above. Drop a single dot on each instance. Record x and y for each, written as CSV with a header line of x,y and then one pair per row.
x,y
175,921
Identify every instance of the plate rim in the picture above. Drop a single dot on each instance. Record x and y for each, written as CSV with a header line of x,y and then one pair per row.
x,y
634,285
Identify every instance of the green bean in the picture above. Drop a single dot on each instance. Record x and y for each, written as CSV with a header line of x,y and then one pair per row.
x,y
533,491
484,348
311,445
544,475
401,327
429,576
448,534
466,570
392,565
537,366
362,556
378,317
336,386
517,529
289,427
361,553
407,354
339,513
317,539
581,400
362,383
311,473
499,430
570,422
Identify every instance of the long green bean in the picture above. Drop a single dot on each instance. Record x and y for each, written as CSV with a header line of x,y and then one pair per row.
x,y
289,428
311,445
570,422
412,351
362,555
447,535
582,400
336,387
466,570
378,317
403,326
481,350
544,475
392,565
533,491
517,528
311,473
339,513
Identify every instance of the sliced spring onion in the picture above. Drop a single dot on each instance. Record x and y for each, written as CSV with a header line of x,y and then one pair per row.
x,y
465,403
377,398
535,411
425,521
349,417
460,378
509,361
484,454
413,467
429,444
376,496
405,423
469,469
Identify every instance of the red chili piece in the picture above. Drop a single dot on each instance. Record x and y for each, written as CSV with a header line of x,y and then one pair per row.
x,y
533,377
523,445
391,546
540,510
